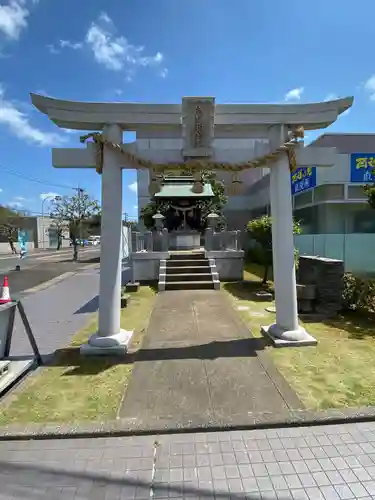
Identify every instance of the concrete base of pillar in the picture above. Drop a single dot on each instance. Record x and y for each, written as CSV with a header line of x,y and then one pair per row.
x,y
287,338
112,345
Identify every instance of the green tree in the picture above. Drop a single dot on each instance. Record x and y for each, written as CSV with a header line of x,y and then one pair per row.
x,y
152,208
369,190
217,203
260,230
73,212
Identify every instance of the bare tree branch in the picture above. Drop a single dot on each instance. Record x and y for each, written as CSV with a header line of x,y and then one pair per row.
x,y
72,212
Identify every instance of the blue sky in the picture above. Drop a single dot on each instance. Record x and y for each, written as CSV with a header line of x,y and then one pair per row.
x,y
160,50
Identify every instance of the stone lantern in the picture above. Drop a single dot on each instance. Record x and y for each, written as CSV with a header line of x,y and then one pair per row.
x,y
212,220
158,219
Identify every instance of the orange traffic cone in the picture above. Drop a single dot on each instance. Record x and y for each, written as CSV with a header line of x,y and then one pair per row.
x,y
5,295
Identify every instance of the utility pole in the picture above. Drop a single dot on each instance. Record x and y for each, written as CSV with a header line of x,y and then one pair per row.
x,y
80,193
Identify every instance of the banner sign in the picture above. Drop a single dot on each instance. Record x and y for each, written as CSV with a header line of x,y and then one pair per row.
x,y
362,167
302,179
22,241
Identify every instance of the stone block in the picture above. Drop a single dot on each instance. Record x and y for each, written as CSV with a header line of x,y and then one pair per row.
x,y
125,301
132,287
229,264
262,295
306,292
326,276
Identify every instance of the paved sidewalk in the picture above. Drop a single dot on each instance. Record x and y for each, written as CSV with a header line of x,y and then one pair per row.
x,y
57,312
198,367
312,463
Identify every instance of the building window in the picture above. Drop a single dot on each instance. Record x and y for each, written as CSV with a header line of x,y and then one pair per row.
x,y
364,221
327,192
303,199
356,193
308,219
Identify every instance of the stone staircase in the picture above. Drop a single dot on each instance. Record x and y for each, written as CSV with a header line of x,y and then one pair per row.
x,y
188,271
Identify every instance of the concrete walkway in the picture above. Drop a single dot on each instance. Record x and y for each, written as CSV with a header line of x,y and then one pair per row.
x,y
199,366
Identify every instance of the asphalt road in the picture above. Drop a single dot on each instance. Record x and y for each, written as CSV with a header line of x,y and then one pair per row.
x,y
37,268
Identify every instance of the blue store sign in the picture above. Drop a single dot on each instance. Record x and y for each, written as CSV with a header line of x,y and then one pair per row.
x,y
302,179
362,167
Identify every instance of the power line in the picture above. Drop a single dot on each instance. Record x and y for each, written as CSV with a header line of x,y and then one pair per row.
x,y
34,179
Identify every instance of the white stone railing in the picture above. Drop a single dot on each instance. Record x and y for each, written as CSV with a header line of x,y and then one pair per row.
x,y
150,241
222,240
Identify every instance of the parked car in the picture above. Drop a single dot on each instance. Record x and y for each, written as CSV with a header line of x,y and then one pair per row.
x,y
94,240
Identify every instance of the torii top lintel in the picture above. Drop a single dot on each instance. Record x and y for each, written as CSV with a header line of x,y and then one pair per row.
x,y
135,116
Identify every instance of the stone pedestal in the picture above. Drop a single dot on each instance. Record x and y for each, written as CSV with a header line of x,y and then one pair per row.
x,y
184,240
326,275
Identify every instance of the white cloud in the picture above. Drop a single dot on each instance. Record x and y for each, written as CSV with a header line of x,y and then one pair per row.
x,y
64,44
71,131
370,87
13,18
71,45
164,73
15,204
51,195
113,52
294,94
133,187
1,190
19,124
135,207
331,97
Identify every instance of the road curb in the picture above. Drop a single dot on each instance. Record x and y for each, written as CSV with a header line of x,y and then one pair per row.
x,y
47,284
121,428
57,279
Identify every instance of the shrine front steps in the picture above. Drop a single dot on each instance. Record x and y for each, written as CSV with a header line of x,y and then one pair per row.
x,y
187,271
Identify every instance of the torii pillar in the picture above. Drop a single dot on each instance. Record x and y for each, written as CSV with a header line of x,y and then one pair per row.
x,y
286,330
110,338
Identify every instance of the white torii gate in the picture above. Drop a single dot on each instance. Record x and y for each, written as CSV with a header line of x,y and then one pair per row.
x,y
272,121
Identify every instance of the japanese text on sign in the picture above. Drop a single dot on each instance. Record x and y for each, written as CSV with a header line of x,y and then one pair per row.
x,y
303,179
362,167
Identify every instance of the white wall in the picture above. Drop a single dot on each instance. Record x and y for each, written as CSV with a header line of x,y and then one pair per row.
x,y
339,173
44,225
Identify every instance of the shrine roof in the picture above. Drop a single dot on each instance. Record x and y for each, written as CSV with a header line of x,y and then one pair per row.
x,y
183,190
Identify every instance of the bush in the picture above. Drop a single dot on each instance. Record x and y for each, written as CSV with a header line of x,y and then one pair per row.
x,y
255,255
358,293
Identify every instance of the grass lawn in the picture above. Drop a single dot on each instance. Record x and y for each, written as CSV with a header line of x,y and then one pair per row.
x,y
77,388
338,372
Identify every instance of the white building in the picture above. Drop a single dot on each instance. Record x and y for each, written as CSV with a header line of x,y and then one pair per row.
x,y
336,219
41,233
